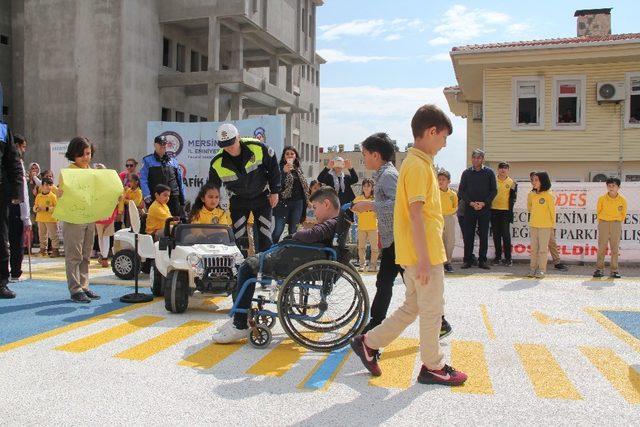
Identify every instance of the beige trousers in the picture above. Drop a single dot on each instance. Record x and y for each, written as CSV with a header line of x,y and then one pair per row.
x,y
424,301
370,236
449,235
540,248
609,233
553,248
48,230
78,243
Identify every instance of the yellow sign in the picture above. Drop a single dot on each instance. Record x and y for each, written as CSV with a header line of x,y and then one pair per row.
x,y
89,195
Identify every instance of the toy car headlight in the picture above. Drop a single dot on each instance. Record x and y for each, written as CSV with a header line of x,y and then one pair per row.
x,y
194,260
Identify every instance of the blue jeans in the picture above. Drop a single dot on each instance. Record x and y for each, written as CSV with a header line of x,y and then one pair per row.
x,y
288,212
247,270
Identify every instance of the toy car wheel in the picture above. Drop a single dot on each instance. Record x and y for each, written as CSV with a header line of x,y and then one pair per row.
x,y
260,336
176,291
122,264
266,320
157,281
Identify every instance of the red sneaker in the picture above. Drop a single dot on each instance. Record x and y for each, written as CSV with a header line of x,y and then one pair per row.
x,y
444,376
368,355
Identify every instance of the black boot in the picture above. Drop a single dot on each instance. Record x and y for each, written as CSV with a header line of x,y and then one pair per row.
x,y
5,292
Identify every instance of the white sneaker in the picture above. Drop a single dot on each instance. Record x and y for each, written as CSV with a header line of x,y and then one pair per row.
x,y
228,333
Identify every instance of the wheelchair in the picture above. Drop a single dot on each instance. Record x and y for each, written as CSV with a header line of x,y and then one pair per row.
x,y
321,302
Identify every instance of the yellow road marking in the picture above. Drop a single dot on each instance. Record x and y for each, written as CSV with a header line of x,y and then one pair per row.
x,y
622,377
397,362
468,357
211,355
487,322
71,327
548,379
279,360
214,301
613,328
108,335
168,339
545,319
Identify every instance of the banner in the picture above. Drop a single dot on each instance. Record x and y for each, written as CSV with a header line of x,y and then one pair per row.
x,y
57,160
194,144
576,223
89,195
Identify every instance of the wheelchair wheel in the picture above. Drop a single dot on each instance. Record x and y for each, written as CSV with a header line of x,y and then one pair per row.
x,y
322,304
260,336
266,320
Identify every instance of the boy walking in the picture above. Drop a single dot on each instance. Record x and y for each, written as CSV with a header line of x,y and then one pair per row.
x,y
502,215
449,204
612,210
418,223
44,205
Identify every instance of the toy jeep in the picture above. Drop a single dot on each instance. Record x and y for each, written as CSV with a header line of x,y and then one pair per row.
x,y
202,257
123,254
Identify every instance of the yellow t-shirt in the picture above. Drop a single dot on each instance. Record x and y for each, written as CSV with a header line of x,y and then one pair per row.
x,y
157,216
501,201
216,216
417,183
448,202
542,207
367,221
130,194
46,203
610,209
54,189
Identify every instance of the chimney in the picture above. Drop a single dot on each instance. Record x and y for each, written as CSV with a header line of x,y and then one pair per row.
x,y
594,22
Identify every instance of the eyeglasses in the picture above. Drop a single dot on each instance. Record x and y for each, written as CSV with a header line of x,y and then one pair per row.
x,y
130,165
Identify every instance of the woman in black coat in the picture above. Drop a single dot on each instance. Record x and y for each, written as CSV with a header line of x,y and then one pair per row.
x,y
292,207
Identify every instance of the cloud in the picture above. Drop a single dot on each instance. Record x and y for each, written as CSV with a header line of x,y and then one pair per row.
x,y
461,24
389,30
334,55
350,114
393,37
439,57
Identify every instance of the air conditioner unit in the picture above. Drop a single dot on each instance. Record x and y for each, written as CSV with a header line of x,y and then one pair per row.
x,y
601,176
477,111
610,91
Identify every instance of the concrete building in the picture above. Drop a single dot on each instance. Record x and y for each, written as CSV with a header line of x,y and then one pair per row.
x,y
104,68
570,106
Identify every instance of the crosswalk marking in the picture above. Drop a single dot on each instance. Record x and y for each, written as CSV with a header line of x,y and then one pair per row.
x,y
326,370
100,338
397,362
547,377
487,322
211,355
622,376
168,339
279,360
468,357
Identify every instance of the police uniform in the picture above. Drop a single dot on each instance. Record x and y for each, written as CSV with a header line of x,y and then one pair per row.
x,y
163,170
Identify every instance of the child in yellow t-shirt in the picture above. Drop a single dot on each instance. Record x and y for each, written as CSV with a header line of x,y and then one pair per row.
x,y
542,220
612,211
159,211
44,206
206,208
367,229
131,192
449,204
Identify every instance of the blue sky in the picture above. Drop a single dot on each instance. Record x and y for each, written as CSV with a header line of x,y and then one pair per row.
x,y
387,57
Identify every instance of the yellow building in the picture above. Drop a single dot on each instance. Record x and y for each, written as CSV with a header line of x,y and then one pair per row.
x,y
570,106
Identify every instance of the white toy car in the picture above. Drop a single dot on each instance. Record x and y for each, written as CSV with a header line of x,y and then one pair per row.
x,y
202,257
123,254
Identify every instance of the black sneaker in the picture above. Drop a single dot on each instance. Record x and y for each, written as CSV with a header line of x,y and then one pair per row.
x,y
598,274
507,263
368,356
445,328
445,376
466,265
92,295
483,265
448,268
560,266
615,275
80,297
496,261
6,293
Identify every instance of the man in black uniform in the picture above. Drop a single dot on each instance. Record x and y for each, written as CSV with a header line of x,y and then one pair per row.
x,y
249,171
11,179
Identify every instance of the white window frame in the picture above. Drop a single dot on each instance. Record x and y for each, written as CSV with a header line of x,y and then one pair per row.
x,y
627,107
515,81
581,106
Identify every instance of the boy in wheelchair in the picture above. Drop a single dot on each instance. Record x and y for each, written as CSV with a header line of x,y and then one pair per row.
x,y
280,262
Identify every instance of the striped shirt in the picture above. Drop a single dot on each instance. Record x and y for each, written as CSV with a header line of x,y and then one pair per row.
x,y
384,194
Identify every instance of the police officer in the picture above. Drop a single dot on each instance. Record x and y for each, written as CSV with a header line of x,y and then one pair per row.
x,y
249,171
159,168
11,179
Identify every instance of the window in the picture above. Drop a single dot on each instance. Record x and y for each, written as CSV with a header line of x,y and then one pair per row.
x,y
632,119
193,118
317,116
166,52
313,75
325,162
195,61
204,63
179,116
4,39
307,152
304,20
166,114
569,102
303,68
318,78
203,119
5,110
180,57
528,101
